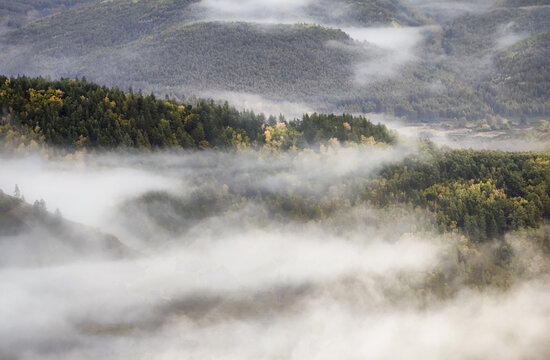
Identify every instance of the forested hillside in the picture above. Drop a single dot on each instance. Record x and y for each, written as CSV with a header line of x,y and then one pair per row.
x,y
75,113
14,14
521,84
484,194
271,59
307,61
104,25
477,65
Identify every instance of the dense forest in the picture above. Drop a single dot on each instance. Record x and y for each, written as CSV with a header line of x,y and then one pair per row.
x,y
293,58
377,12
76,113
484,193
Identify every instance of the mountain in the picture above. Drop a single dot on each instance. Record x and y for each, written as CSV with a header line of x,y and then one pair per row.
x,y
447,66
476,65
269,59
107,24
128,43
110,23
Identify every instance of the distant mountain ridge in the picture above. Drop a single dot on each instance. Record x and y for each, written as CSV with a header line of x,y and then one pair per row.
x,y
458,70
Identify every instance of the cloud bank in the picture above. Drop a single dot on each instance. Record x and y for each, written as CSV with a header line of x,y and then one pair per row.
x,y
242,281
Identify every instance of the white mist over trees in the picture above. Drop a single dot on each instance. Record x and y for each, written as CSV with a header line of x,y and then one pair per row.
x,y
241,279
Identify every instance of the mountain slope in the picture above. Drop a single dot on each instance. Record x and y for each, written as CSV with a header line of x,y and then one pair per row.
x,y
104,25
474,34
457,69
522,78
14,14
71,114
271,59
21,225
274,60
475,66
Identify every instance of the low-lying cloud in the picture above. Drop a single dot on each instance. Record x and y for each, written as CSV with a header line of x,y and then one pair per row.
x,y
261,104
241,281
398,47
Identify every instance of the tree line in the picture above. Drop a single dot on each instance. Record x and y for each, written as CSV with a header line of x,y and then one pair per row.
x,y
483,193
76,113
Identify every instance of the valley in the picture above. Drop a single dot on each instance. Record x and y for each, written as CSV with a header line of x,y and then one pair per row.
x,y
305,179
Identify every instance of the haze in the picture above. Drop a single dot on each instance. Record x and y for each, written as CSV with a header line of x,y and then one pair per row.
x,y
240,283
184,225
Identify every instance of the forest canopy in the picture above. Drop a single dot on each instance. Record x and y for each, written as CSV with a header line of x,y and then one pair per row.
x,y
76,113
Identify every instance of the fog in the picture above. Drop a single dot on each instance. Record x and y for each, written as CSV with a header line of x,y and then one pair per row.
x,y
264,11
84,191
389,47
508,35
255,254
443,135
261,104
221,268
399,47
